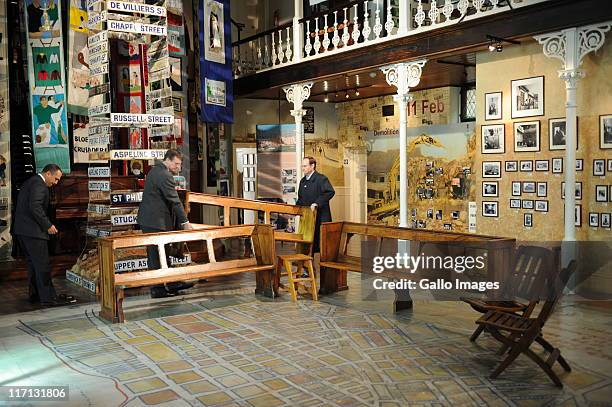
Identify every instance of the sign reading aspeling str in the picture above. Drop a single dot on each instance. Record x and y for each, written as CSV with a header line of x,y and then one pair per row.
x,y
139,8
137,154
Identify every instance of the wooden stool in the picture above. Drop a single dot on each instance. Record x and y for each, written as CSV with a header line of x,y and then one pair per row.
x,y
302,262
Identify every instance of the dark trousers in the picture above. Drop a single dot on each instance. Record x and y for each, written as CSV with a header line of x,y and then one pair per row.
x,y
39,271
153,258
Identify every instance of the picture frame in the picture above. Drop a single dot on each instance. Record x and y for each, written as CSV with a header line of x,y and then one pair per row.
x,y
490,189
527,136
491,169
511,166
605,220
579,164
493,106
493,139
542,189
454,215
578,216
557,165
528,220
594,219
527,96
515,203
557,130
599,167
601,193
490,209
526,165
527,203
541,165
578,190
541,206
516,188
605,131
609,168
529,187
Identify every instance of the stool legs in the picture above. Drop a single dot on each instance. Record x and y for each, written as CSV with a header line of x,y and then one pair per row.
x,y
313,281
292,288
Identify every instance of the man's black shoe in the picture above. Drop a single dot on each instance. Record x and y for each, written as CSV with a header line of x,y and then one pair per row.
x,y
160,292
56,302
175,288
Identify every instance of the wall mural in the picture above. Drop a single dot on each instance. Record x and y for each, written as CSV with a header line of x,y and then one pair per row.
x,y
46,77
5,137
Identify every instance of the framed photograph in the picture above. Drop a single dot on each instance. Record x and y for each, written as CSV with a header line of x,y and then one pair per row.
x,y
526,166
527,136
609,166
455,215
493,139
594,219
528,220
577,191
439,214
493,106
527,204
579,164
599,167
557,165
605,220
605,131
529,187
491,169
516,188
541,165
578,215
542,189
556,134
515,203
512,166
541,206
610,194
601,193
527,97
490,188
490,209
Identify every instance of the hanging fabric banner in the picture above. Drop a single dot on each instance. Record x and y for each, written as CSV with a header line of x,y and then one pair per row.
x,y
78,59
47,83
216,61
5,139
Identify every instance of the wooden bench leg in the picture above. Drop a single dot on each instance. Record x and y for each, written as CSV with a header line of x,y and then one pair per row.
x,y
120,317
264,281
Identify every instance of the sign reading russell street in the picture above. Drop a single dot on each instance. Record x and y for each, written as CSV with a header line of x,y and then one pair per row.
x,y
140,118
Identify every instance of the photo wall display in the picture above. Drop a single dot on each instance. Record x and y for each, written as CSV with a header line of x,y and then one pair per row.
x,y
599,220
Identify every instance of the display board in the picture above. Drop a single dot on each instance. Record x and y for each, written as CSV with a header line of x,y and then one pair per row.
x,y
276,162
5,139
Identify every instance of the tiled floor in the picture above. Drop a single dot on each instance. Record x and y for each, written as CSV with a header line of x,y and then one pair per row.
x,y
221,345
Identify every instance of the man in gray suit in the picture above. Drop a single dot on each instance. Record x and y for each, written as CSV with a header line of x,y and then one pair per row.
x,y
161,211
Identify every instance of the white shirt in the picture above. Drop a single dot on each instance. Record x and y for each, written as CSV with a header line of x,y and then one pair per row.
x,y
43,178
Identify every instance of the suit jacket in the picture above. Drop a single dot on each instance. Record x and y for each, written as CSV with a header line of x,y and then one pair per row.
x,y
317,190
161,207
31,212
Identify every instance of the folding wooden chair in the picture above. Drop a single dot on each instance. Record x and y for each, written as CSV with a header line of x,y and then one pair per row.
x,y
517,333
531,265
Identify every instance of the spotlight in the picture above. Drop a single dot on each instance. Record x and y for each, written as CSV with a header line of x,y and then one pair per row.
x,y
347,95
336,95
356,92
491,46
499,47
326,98
496,43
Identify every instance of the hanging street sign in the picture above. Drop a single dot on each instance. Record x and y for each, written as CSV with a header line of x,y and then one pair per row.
x,y
137,28
96,18
99,110
98,209
98,48
100,89
98,59
140,119
99,129
99,172
126,7
99,185
137,154
99,140
97,38
120,220
126,197
130,265
98,70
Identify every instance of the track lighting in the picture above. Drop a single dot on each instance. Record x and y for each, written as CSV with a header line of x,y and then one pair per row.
x,y
496,43
326,98
347,95
356,92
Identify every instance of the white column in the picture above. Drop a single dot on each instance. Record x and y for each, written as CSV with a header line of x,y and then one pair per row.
x,y
403,76
404,17
297,94
570,46
298,37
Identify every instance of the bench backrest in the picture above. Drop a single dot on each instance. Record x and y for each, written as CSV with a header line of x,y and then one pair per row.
x,y
303,236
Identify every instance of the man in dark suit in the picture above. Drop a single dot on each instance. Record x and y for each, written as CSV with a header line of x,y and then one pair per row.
x,y
315,191
32,228
161,211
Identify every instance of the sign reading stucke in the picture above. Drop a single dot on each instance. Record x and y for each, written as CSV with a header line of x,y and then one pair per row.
x,y
137,154
137,28
122,220
139,8
98,172
126,197
99,110
99,185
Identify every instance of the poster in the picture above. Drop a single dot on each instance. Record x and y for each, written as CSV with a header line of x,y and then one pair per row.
x,y
276,162
46,76
214,32
5,138
81,146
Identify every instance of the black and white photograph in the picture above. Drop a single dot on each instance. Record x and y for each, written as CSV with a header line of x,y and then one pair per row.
x,y
511,166
578,190
448,226
528,220
557,129
430,213
455,215
491,169
579,164
526,166
605,220
541,165
541,206
490,208
557,165
493,106
527,97
527,136
594,219
542,189
439,214
527,204
516,188
601,193
578,215
414,213
490,188
609,165
515,203
529,187
605,131
599,167
493,138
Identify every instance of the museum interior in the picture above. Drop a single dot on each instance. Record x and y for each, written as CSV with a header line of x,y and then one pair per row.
x,y
305,203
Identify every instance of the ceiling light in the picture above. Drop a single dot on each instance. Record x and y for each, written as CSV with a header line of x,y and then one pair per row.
x,y
499,47
491,46
496,43
372,74
347,95
356,92
326,98
325,86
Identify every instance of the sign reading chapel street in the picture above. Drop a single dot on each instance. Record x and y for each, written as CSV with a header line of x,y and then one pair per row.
x,y
136,8
126,197
139,118
137,154
137,28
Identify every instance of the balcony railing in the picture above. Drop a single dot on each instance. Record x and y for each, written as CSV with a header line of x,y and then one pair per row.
x,y
359,24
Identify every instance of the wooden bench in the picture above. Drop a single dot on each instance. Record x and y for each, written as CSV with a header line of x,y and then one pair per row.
x,y
112,284
336,259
